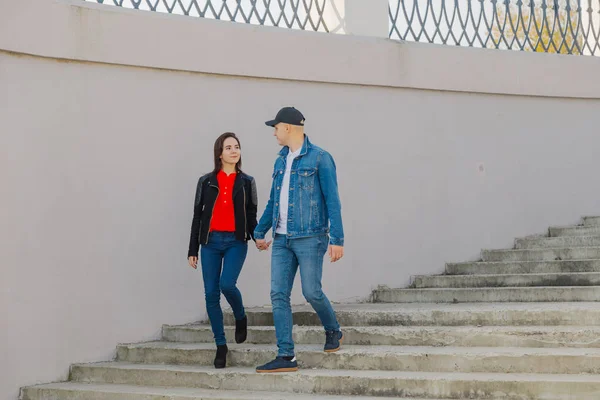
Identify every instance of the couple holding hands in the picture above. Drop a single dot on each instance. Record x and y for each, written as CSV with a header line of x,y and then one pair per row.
x,y
304,212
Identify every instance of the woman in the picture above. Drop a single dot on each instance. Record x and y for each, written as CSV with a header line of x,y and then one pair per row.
x,y
224,220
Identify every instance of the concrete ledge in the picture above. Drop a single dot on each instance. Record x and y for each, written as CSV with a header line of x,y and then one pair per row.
x,y
74,30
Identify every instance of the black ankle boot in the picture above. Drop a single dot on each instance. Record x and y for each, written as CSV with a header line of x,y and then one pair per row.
x,y
241,330
221,357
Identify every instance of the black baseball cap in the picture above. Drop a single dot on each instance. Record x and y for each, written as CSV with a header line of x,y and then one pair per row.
x,y
287,115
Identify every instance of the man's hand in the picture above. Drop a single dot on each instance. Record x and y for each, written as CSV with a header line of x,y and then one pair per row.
x,y
262,244
335,252
193,261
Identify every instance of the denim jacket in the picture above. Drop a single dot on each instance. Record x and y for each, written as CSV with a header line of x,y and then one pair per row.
x,y
314,202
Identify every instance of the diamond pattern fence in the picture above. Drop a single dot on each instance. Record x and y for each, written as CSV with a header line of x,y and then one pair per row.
x,y
550,26
314,15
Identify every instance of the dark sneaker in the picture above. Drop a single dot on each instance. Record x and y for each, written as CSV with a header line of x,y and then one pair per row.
x,y
279,364
241,330
333,341
221,357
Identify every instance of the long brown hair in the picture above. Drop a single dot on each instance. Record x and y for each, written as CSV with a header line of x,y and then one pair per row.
x,y
219,151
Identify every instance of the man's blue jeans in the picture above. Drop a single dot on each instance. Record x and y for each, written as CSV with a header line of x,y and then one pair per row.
x,y
287,255
222,260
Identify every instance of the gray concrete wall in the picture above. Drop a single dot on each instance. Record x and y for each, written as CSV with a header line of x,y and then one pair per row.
x,y
103,137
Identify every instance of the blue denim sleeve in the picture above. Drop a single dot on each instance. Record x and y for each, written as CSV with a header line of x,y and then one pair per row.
x,y
266,221
329,186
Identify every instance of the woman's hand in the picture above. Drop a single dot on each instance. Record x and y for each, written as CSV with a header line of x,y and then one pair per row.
x,y
193,261
262,244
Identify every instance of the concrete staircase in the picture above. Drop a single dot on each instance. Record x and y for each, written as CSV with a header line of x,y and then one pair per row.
x,y
521,324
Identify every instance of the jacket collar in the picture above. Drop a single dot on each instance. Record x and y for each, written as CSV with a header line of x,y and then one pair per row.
x,y
237,185
305,147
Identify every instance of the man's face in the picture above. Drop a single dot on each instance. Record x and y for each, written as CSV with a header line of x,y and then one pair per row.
x,y
281,132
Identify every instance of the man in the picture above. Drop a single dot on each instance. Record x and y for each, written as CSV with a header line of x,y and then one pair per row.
x,y
303,208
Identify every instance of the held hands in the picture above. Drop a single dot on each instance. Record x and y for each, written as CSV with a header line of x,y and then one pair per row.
x,y
335,253
262,244
193,261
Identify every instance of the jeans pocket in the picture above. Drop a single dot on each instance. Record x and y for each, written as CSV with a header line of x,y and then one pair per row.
x,y
321,242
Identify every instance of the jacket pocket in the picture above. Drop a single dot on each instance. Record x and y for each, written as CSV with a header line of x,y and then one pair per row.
x,y
306,178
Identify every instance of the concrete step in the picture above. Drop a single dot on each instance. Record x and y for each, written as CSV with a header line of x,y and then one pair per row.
x,y
591,221
556,231
554,242
522,267
431,314
379,358
81,391
506,280
350,383
563,253
473,295
461,336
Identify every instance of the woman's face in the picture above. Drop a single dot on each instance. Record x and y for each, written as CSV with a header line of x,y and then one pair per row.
x,y
231,151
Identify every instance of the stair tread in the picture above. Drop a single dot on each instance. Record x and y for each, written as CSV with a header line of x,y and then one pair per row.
x,y
420,307
487,276
504,288
378,349
493,263
400,329
570,226
186,393
595,235
377,374
546,249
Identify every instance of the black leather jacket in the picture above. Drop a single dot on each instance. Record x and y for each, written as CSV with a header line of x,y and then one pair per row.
x,y
245,204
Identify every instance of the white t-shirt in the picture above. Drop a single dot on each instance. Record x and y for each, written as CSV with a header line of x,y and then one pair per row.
x,y
284,197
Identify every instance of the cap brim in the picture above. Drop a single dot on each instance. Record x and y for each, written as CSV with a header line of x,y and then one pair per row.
x,y
273,122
